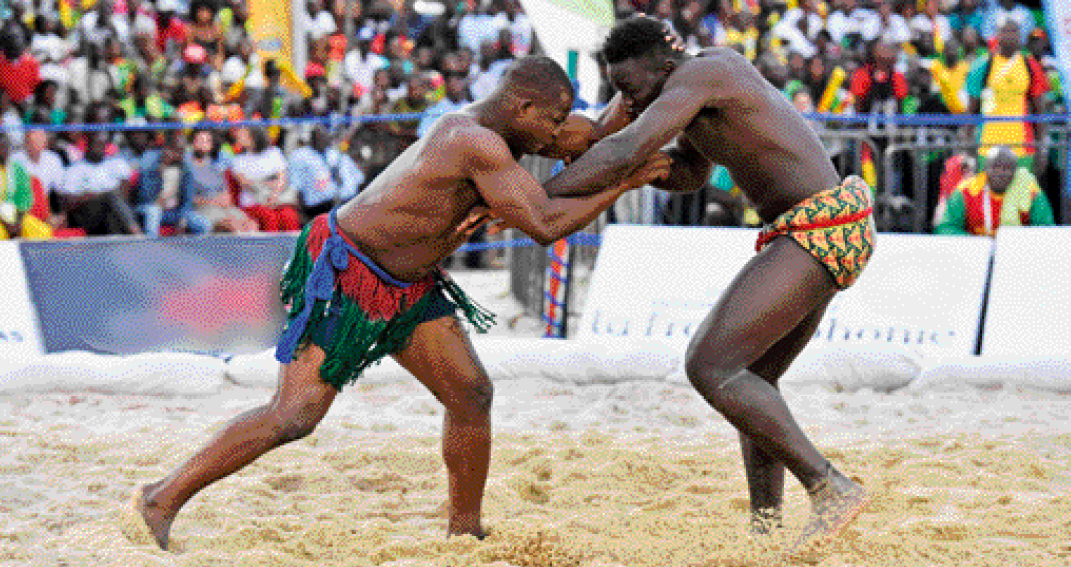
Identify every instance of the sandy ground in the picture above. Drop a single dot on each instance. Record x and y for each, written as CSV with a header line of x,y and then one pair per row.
x,y
631,474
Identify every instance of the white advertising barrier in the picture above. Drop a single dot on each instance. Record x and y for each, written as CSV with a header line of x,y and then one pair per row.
x,y
19,337
921,294
1030,294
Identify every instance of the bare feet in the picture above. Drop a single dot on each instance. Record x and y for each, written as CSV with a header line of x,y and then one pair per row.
x,y
764,521
835,502
158,522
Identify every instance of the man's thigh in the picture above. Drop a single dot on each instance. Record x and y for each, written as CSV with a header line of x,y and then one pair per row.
x,y
770,297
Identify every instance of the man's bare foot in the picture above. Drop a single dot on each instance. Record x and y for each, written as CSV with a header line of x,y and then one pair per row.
x,y
835,502
158,522
764,521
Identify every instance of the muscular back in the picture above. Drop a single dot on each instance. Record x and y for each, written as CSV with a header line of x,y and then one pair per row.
x,y
753,130
407,219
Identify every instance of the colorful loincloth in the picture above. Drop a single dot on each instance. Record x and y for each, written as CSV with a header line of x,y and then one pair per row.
x,y
835,226
354,310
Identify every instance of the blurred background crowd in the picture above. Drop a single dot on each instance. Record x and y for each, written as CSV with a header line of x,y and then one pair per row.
x,y
138,62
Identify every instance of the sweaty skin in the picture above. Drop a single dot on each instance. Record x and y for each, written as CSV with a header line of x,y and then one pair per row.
x,y
415,213
408,219
716,108
720,110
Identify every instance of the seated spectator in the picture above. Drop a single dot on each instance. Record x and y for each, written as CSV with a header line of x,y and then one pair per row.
x,y
19,71
96,190
322,176
204,181
264,192
415,101
158,195
144,102
457,94
203,32
45,166
16,199
1005,194
957,168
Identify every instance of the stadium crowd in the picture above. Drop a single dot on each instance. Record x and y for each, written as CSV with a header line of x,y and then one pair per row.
x,y
138,62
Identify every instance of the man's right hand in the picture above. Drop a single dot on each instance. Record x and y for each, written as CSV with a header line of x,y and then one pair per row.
x,y
656,167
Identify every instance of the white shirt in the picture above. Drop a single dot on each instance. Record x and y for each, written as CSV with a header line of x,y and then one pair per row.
x,y
474,29
84,178
896,30
48,168
259,166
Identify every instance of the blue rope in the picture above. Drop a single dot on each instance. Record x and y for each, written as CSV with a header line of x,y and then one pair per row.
x,y
575,239
339,120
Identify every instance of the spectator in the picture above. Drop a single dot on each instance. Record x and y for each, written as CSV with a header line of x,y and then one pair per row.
x,y
135,21
949,73
204,181
415,101
495,57
878,86
46,167
171,31
19,71
145,103
1005,194
96,190
16,199
457,93
322,176
260,171
1004,10
159,196
894,28
1008,82
361,62
203,33
968,14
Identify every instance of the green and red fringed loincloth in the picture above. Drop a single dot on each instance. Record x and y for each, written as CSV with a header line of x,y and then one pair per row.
x,y
340,300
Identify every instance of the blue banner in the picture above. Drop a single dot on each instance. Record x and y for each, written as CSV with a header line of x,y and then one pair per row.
x,y
213,294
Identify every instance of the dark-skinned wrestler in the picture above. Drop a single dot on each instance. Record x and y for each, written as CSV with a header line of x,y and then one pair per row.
x,y
365,282
716,108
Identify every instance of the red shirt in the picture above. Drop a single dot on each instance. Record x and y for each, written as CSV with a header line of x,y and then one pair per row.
x,y
866,78
20,77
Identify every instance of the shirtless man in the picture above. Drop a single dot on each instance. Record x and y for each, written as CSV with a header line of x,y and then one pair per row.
x,y
365,282
716,108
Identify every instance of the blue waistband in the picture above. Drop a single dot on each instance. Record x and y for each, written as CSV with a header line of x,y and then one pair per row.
x,y
332,224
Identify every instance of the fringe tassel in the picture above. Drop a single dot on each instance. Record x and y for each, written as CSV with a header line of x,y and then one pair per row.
x,y
356,341
480,317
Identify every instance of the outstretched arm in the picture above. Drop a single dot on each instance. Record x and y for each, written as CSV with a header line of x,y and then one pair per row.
x,y
689,169
520,201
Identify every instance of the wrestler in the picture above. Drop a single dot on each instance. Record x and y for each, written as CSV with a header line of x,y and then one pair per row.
x,y
364,282
716,108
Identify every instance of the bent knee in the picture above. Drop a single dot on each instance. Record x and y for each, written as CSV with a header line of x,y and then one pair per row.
x,y
705,369
295,424
471,399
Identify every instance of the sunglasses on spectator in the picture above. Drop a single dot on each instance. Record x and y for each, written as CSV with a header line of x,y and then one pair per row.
x,y
455,75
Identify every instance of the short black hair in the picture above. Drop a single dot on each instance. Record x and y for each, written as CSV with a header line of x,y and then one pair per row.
x,y
638,36
537,74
